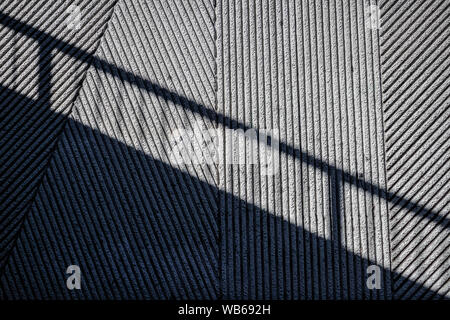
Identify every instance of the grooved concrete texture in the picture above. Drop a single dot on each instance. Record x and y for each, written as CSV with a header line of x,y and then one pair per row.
x,y
42,63
142,226
416,92
309,69
110,202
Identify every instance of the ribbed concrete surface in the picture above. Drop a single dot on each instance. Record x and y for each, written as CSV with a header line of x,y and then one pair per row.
x,y
42,64
142,226
310,69
416,86
110,202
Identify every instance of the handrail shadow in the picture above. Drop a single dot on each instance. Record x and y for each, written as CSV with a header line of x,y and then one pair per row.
x,y
146,224
105,66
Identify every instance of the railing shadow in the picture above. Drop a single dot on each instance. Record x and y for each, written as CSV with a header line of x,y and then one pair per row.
x,y
195,107
141,228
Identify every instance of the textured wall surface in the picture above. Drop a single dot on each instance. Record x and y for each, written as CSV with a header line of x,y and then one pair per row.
x,y
42,63
90,120
416,93
309,69
110,201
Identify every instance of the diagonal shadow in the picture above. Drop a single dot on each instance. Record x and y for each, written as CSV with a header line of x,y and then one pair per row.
x,y
168,272
162,269
77,53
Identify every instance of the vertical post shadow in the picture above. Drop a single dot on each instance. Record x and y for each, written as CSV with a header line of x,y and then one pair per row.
x,y
144,223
